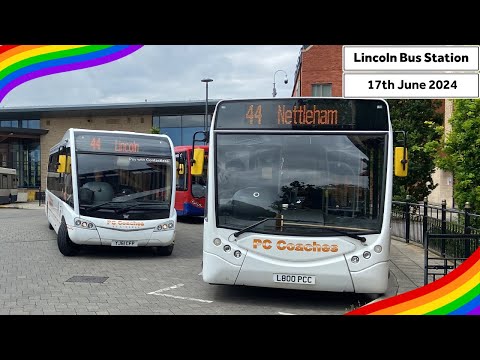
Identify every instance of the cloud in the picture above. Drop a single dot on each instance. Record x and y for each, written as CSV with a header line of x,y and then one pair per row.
x,y
168,73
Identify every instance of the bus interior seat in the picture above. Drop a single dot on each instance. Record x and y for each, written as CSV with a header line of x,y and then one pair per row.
x,y
102,191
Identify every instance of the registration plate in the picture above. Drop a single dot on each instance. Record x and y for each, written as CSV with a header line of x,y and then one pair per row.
x,y
294,279
124,243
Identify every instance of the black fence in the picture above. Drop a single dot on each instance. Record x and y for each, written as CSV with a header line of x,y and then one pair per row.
x,y
455,248
449,235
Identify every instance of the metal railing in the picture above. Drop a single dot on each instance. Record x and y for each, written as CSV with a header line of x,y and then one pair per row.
x,y
411,221
448,235
455,248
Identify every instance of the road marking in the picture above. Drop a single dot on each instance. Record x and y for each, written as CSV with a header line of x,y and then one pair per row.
x,y
165,289
184,298
284,313
161,293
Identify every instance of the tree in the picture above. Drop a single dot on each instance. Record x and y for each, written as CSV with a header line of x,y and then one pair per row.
x,y
155,130
421,120
460,153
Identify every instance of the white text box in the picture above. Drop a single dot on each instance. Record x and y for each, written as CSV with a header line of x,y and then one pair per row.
x,y
411,58
423,86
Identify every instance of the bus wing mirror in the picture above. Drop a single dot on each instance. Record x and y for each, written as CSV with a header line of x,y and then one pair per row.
x,y
198,159
180,168
401,161
62,163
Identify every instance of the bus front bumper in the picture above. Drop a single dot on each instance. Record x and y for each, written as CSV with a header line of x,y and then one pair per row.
x,y
114,237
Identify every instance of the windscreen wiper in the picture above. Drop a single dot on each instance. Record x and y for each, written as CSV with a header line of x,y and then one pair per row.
x,y
129,207
95,207
335,230
240,232
126,208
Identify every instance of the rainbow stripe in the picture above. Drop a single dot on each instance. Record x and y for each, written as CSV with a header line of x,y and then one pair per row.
x,y
457,293
22,63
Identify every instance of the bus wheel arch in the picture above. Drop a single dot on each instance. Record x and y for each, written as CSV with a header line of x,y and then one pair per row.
x,y
66,246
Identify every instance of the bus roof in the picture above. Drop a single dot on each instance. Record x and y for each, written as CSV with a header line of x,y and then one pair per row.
x,y
189,147
74,130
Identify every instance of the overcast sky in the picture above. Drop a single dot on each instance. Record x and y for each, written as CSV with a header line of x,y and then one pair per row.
x,y
168,73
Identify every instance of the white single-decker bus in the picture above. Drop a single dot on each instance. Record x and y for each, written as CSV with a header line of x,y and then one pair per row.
x,y
300,193
112,188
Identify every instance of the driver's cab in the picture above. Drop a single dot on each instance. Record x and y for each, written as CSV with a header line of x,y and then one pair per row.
x,y
95,189
106,182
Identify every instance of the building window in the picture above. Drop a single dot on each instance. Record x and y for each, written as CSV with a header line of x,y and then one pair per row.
x,y
322,90
9,123
31,124
170,121
181,128
193,120
175,135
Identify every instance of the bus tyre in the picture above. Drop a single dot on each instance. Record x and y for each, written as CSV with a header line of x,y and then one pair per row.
x,y
65,245
163,250
50,226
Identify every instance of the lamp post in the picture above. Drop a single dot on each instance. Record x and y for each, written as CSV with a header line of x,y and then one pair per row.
x,y
206,81
274,93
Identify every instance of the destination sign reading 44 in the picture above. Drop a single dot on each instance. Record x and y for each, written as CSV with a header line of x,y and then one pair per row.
x,y
302,114
121,144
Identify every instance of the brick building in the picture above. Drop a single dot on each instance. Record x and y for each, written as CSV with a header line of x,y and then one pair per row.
x,y
319,71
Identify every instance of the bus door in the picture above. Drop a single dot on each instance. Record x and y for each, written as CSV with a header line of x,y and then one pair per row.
x,y
182,180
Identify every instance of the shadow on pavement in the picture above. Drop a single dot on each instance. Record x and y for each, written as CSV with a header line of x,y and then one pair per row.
x,y
190,219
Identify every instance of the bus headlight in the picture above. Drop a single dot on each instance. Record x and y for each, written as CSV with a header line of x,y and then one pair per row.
x,y
84,224
367,254
217,242
165,226
355,259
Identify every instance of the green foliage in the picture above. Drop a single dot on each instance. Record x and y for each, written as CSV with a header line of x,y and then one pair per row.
x,y
155,130
460,152
423,124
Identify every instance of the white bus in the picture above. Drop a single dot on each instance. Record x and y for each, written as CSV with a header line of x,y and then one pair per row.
x,y
299,194
112,188
8,185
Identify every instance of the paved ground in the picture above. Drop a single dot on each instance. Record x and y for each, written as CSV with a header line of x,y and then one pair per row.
x,y
36,279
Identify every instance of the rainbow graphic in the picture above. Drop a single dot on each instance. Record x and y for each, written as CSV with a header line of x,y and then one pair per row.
x,y
457,293
22,63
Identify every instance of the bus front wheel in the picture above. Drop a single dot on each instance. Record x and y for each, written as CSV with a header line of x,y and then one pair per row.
x,y
65,245
163,250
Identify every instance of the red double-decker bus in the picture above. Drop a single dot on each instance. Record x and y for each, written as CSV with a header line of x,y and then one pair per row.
x,y
191,189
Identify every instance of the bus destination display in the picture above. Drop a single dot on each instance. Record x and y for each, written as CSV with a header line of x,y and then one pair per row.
x,y
121,144
302,114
